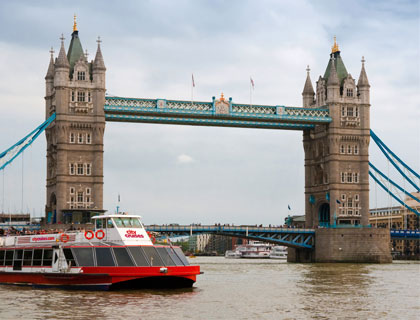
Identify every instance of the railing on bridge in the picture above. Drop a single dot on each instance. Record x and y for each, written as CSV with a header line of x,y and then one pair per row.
x,y
206,113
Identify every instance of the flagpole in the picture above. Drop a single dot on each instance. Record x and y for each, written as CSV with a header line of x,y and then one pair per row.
x,y
250,92
192,88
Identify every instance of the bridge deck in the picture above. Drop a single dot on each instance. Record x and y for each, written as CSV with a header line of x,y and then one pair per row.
x,y
297,238
291,237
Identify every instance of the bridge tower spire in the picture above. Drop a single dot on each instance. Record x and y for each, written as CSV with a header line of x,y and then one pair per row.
x,y
308,93
75,92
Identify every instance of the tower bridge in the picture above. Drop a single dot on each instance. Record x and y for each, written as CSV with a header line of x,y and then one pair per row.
x,y
334,119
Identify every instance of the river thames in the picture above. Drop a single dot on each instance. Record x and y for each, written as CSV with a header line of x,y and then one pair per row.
x,y
240,289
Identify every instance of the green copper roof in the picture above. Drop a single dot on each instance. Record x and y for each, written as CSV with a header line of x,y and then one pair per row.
x,y
75,50
339,65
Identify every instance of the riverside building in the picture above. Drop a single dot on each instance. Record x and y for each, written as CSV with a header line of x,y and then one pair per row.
x,y
400,218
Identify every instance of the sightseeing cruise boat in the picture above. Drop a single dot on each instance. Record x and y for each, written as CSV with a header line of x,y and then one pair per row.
x,y
117,253
278,252
253,250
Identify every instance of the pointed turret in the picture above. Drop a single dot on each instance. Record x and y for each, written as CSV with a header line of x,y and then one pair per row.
x,y
333,77
333,84
98,68
363,79
62,61
363,86
98,63
61,67
49,78
51,68
308,91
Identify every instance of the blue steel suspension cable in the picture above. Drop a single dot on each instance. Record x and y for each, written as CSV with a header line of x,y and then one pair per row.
x,y
385,150
392,182
22,144
377,140
392,195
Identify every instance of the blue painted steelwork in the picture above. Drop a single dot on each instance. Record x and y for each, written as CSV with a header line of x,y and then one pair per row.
x,y
405,234
6,157
392,194
206,122
393,183
290,237
205,114
385,150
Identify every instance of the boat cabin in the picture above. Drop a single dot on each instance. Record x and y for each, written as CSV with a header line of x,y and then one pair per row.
x,y
119,227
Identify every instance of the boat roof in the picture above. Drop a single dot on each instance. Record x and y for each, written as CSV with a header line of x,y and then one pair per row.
x,y
120,215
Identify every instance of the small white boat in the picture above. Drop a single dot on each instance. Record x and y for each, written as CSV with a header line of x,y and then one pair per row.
x,y
253,250
278,252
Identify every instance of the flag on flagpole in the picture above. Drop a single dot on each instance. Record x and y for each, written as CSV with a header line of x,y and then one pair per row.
x,y
119,198
252,83
192,78
288,207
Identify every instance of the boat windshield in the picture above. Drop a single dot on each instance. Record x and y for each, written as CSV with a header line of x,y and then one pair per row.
x,y
127,222
104,223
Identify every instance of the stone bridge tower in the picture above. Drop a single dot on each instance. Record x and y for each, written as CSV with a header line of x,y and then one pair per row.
x,y
337,171
337,154
75,91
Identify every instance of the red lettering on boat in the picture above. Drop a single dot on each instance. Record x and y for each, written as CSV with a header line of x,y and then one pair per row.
x,y
42,239
133,234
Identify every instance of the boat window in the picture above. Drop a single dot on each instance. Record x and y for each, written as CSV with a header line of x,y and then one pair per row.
x,y
109,223
153,256
84,257
47,258
123,258
174,257
181,256
9,257
69,257
104,257
37,261
99,224
139,256
135,222
18,254
2,257
127,222
165,256
17,264
118,222
27,257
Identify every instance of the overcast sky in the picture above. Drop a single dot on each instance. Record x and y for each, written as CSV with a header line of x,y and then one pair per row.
x,y
189,174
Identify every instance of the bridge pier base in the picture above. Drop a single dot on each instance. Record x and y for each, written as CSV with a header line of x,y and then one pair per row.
x,y
357,245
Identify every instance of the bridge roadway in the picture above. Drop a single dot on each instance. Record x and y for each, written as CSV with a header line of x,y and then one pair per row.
x,y
290,237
